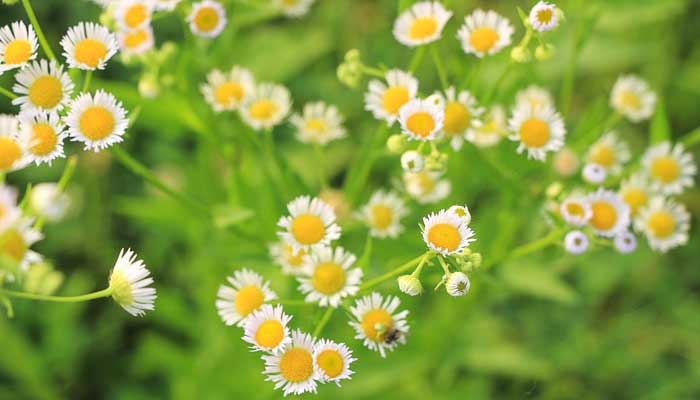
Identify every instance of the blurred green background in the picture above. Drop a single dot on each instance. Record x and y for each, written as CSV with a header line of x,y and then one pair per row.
x,y
548,326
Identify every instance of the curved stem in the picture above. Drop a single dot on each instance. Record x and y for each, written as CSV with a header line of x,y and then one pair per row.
x,y
37,28
527,248
375,72
324,320
7,93
396,271
59,299
691,138
416,60
86,82
497,84
67,173
438,66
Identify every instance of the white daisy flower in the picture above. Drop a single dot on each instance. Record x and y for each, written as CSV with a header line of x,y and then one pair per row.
x,y
566,162
332,361
327,277
609,152
594,173
625,242
310,222
267,106
484,33
426,186
164,5
266,329
133,14
9,212
538,129
446,233
412,161
543,17
137,41
421,23
207,19
88,46
48,202
610,215
320,123
535,96
462,212
665,224
376,324
421,119
97,121
247,293
283,254
461,116
292,368
385,100
18,45
130,283
636,192
576,242
42,85
670,169
576,211
43,134
228,90
491,130
383,213
632,97
12,149
16,240
294,8
457,284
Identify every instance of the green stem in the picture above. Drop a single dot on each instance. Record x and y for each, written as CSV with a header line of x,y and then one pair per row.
x,y
322,176
37,29
416,60
375,72
86,82
7,93
444,266
324,320
366,253
497,84
66,175
396,271
59,299
528,248
438,66
691,138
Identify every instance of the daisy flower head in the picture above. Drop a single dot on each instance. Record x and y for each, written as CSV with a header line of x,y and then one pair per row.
x,y
461,115
636,192
426,186
665,224
535,96
543,17
422,23
421,119
133,14
610,215
632,97
207,18
457,284
385,100
292,367
625,242
412,161
16,240
284,255
576,242
320,123
9,212
42,133
446,233
492,128
12,149
670,168
247,293
328,276
48,201
18,45
332,361
97,121
609,152
462,212
376,320
267,106
294,8
130,283
266,328
383,213
88,46
311,221
164,5
228,90
566,162
135,42
42,85
576,211
538,129
594,174
484,33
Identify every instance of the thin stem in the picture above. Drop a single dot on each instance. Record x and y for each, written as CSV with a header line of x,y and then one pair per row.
x,y
497,84
66,175
59,299
444,266
396,271
527,248
322,176
438,65
366,253
691,138
375,72
416,60
37,29
7,93
324,320
86,82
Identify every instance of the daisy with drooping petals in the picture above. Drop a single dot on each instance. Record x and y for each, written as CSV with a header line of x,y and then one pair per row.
x,y
543,17
422,23
292,368
228,90
491,130
426,186
421,119
88,46
42,85
12,149
576,242
207,19
327,277
538,129
310,222
484,33
665,224
18,45
446,233
133,14
575,211
635,191
284,255
97,121
43,135
294,8
266,328
383,214
267,106
246,294
632,97
136,41
609,152
130,282
461,116
320,123
385,100
610,215
535,96
332,361
375,319
670,169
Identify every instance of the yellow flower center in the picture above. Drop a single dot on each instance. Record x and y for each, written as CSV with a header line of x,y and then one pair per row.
x,y
13,245
602,155
425,182
331,362
423,28
206,19
575,209
483,39
635,199
316,124
534,133
230,92
604,216
394,98
17,52
374,319
290,3
382,216
421,124
9,153
269,334
661,224
90,52
294,259
46,92
121,288
96,123
665,169
135,15
444,236
297,365
544,16
135,38
630,99
328,278
263,109
248,299
43,140
456,118
308,229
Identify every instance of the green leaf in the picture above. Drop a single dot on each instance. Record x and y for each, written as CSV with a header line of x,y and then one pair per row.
x,y
226,215
660,127
538,282
507,359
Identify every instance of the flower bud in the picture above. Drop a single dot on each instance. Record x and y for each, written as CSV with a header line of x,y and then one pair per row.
x,y
148,86
352,56
412,161
410,285
476,259
520,54
544,53
457,284
397,143
41,278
